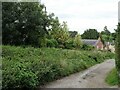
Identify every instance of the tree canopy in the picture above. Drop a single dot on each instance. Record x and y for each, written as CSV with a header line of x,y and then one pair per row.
x,y
23,22
90,34
28,23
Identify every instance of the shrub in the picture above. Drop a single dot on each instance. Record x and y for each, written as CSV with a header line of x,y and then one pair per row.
x,y
69,44
87,47
61,46
51,43
117,50
77,41
30,67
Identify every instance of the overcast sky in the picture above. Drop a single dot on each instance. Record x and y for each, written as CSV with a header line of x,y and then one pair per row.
x,y
84,14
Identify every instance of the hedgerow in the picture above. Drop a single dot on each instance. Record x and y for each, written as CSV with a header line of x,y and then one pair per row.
x,y
30,67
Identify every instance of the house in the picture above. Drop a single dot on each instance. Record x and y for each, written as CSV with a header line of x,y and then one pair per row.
x,y
96,43
112,48
99,45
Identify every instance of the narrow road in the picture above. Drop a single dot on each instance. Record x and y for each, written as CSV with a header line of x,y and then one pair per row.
x,y
94,77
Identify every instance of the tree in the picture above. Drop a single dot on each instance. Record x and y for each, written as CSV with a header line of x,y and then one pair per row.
x,y
114,34
90,34
60,33
106,35
24,23
118,52
106,31
73,33
55,26
77,41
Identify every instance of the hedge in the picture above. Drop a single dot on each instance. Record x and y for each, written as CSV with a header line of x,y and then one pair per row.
x,y
30,67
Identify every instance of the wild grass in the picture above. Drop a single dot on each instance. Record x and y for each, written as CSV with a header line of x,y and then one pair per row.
x,y
112,77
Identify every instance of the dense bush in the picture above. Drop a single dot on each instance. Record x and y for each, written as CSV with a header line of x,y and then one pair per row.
x,y
77,41
30,67
69,44
87,47
51,43
117,50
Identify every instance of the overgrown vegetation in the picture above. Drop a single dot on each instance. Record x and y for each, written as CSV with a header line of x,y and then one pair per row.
x,y
38,35
88,47
30,67
118,52
112,78
28,23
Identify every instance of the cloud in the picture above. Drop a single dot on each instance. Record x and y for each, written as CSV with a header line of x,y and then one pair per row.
x,y
84,14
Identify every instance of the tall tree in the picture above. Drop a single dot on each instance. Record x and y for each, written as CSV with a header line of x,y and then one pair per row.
x,y
114,34
60,32
106,35
106,31
23,23
73,33
90,34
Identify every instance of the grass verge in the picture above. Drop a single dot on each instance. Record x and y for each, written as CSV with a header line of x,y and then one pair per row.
x,y
112,77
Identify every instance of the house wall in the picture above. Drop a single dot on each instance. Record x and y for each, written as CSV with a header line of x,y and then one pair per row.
x,y
112,48
99,45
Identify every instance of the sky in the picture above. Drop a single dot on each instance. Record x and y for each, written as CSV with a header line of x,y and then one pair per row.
x,y
81,15
119,12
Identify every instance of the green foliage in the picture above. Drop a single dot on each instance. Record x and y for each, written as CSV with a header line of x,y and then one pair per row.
x,y
73,33
87,47
23,23
106,31
77,41
113,35
107,36
30,67
41,42
69,44
51,43
90,34
117,50
54,23
29,24
62,34
112,77
74,42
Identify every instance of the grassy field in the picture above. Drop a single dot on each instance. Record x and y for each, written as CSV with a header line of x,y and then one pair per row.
x,y
30,67
112,78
